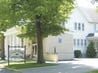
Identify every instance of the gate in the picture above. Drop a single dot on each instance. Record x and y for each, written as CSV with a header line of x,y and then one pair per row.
x,y
16,53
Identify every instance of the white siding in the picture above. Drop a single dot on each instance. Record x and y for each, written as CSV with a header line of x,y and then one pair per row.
x,y
64,48
96,27
78,17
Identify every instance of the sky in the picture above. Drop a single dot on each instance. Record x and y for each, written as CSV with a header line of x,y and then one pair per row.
x,y
86,3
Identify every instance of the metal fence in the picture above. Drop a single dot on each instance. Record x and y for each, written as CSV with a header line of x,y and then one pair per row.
x,y
16,53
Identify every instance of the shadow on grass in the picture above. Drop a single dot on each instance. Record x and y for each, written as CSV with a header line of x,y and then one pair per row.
x,y
27,65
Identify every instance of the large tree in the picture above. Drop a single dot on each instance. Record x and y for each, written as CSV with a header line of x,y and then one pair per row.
x,y
41,18
2,54
4,23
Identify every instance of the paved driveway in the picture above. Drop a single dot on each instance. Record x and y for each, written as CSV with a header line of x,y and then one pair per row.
x,y
75,66
2,70
62,68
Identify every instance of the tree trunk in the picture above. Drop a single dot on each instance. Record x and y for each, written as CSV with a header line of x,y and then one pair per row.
x,y
2,47
3,50
40,58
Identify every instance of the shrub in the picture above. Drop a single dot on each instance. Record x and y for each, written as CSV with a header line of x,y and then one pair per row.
x,y
77,53
91,52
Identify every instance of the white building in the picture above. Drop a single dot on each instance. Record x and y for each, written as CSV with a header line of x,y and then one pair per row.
x,y
55,47
62,45
83,22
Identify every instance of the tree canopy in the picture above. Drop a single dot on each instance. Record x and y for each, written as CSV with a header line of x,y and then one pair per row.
x,y
40,18
53,13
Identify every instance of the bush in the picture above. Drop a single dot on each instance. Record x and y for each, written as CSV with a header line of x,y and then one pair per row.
x,y
77,53
91,52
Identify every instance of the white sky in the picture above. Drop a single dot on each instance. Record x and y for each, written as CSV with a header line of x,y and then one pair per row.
x,y
85,3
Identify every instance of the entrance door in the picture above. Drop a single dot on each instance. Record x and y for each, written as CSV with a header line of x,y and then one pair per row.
x,y
34,51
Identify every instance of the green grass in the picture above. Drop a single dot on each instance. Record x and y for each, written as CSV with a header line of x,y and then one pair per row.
x,y
27,65
94,71
5,63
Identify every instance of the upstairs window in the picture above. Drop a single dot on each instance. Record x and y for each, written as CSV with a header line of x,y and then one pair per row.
x,y
79,26
83,26
75,26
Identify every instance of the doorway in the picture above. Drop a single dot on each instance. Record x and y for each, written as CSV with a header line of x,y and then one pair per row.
x,y
34,51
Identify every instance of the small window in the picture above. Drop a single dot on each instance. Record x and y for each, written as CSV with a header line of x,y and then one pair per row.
x,y
78,42
85,42
75,26
83,26
59,40
81,42
79,26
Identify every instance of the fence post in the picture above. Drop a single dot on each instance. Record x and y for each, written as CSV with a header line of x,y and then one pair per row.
x,y
8,56
24,54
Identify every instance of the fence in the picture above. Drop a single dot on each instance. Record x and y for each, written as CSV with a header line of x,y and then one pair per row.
x,y
16,53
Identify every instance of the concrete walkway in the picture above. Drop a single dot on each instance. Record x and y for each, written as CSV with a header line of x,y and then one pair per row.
x,y
75,66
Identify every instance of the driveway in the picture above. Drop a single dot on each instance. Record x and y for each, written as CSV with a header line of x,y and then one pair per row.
x,y
74,66
2,70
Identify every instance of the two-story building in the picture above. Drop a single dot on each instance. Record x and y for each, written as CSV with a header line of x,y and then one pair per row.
x,y
84,24
83,27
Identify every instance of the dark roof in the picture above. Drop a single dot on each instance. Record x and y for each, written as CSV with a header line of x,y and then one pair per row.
x,y
90,14
90,35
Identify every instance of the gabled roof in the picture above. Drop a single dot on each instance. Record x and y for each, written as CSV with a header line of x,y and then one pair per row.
x,y
90,14
11,31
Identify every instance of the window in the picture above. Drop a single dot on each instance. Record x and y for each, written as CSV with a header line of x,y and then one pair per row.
x,y
83,26
81,42
78,42
79,26
85,42
59,40
75,26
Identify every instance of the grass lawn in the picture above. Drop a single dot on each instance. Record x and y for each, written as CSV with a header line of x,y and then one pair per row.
x,y
20,66
95,71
